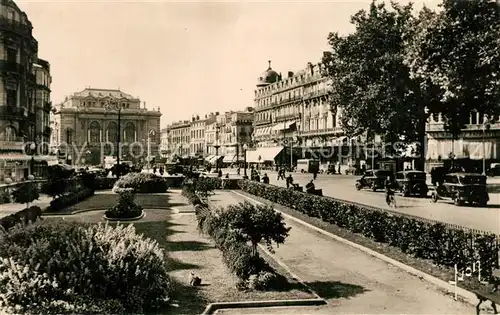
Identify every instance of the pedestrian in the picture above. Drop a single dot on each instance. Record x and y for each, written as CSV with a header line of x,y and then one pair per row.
x,y
161,171
289,181
219,174
265,179
315,175
154,169
257,177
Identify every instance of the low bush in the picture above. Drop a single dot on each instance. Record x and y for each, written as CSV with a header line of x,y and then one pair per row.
x,y
443,246
174,181
143,183
72,268
70,199
5,195
240,258
104,183
126,207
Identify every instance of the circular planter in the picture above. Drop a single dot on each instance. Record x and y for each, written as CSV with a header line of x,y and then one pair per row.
x,y
143,214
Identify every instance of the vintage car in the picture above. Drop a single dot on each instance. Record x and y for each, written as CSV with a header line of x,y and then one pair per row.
x,y
373,179
412,183
463,188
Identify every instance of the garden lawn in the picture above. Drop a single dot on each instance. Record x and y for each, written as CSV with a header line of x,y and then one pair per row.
x,y
187,252
109,199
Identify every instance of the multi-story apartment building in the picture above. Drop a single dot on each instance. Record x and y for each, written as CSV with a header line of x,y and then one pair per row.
x,y
88,129
476,145
197,145
236,131
164,135
43,104
294,118
212,137
179,138
19,112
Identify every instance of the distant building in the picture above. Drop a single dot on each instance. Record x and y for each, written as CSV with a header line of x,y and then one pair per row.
x,y
179,139
164,152
197,137
86,130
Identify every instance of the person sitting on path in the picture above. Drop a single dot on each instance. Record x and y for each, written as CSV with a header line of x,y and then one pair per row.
x,y
310,187
265,179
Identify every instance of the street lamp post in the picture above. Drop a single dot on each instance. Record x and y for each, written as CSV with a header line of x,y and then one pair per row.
x,y
113,105
150,133
486,126
245,148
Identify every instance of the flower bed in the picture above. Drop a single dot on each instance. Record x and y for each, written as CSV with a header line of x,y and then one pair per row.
x,y
64,268
125,209
142,183
70,199
445,247
252,270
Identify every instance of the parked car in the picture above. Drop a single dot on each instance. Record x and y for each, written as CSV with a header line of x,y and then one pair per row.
x,y
494,169
412,183
174,168
373,179
463,188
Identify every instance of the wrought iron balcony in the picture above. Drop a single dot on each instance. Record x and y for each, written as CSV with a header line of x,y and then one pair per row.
x,y
12,112
320,132
9,66
15,26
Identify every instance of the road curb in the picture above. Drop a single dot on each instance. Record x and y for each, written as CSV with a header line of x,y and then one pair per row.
x,y
55,214
212,307
468,296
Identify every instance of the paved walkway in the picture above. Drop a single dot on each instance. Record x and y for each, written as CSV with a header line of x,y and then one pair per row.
x,y
350,280
7,209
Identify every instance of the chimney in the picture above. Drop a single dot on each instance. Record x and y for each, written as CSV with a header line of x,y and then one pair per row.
x,y
290,74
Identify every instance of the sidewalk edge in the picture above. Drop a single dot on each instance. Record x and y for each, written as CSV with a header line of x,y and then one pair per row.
x,y
212,307
466,295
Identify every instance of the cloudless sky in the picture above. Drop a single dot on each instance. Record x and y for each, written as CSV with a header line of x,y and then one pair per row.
x,y
184,57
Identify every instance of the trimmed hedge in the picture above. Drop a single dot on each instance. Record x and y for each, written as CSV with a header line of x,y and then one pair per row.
x,y
252,270
442,245
174,181
70,199
143,183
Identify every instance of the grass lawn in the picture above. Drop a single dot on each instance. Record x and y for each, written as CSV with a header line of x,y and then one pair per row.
x,y
108,200
188,251
427,266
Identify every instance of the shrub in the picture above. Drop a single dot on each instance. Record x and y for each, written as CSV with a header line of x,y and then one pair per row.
x,y
70,199
64,268
5,195
444,246
26,193
103,183
126,207
238,256
143,183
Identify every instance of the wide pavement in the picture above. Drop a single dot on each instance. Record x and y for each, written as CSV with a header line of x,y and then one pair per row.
x,y
342,187
350,280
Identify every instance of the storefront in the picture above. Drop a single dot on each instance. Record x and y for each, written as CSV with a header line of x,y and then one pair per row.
x,y
15,166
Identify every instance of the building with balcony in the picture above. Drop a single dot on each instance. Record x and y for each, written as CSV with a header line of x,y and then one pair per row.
x,y
21,122
236,131
179,139
43,104
88,129
197,137
478,141
293,115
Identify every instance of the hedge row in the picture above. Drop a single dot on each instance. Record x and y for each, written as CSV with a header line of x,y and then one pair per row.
x,y
70,199
442,245
143,183
23,217
104,183
252,270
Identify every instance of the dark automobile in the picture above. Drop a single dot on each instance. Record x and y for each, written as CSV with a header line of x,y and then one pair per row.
x,y
463,188
174,168
412,183
494,169
437,175
373,179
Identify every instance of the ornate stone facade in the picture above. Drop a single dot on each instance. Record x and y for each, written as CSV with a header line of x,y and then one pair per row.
x,y
86,130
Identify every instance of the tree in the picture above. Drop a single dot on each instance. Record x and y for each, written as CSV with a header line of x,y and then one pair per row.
x,y
26,193
256,223
456,59
370,80
57,182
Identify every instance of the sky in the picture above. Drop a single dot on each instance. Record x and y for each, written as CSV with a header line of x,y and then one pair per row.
x,y
184,57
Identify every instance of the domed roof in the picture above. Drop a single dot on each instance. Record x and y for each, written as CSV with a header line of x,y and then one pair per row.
x,y
267,77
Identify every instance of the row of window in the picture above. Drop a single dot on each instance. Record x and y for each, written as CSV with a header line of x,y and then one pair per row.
x,y
296,94
102,104
313,72
94,134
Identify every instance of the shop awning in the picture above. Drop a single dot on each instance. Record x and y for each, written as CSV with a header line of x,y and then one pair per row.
x,y
460,149
209,158
283,125
229,158
12,156
262,155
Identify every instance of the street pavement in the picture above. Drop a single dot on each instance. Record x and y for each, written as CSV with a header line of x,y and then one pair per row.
x,y
343,187
351,281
